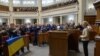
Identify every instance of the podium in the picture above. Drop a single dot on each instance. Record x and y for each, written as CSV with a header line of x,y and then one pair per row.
x,y
73,38
58,43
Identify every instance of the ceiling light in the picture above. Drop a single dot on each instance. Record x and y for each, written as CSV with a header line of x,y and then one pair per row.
x,y
27,20
5,1
50,19
90,6
0,20
16,2
28,2
70,17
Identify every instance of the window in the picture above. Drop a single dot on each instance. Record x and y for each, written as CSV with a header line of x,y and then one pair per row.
x,y
90,6
28,2
16,2
70,18
58,0
27,20
47,2
4,1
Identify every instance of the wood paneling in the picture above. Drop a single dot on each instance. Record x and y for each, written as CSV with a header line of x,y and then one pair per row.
x,y
97,49
97,6
98,14
90,18
4,8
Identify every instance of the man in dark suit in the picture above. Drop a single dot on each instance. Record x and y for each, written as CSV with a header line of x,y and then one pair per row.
x,y
54,27
22,30
35,29
43,28
48,27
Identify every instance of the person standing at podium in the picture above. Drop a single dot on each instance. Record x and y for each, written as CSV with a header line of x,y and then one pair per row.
x,y
85,37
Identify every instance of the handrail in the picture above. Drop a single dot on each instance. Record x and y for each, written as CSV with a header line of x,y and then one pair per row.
x,y
59,5
35,9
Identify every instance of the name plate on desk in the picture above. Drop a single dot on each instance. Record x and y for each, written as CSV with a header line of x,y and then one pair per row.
x,y
14,44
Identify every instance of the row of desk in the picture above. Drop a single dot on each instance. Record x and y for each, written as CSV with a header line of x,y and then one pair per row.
x,y
62,41
59,42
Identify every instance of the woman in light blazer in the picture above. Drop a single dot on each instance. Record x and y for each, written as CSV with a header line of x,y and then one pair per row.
x,y
85,37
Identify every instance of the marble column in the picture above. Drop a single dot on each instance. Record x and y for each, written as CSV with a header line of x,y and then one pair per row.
x,y
76,19
39,20
14,20
11,20
61,19
81,11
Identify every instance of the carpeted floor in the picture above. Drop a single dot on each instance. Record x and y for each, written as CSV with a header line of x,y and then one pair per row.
x,y
44,51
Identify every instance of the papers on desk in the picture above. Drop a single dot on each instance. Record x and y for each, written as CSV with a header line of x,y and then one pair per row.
x,y
82,36
97,37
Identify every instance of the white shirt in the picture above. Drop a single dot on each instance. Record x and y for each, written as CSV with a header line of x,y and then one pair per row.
x,y
85,34
58,27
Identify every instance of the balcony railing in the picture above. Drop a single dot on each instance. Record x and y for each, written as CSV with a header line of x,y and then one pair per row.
x,y
60,5
25,9
35,9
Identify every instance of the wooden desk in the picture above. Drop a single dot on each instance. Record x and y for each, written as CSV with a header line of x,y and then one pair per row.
x,y
92,35
62,41
40,38
58,43
43,37
73,39
46,35
31,37
97,48
26,41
